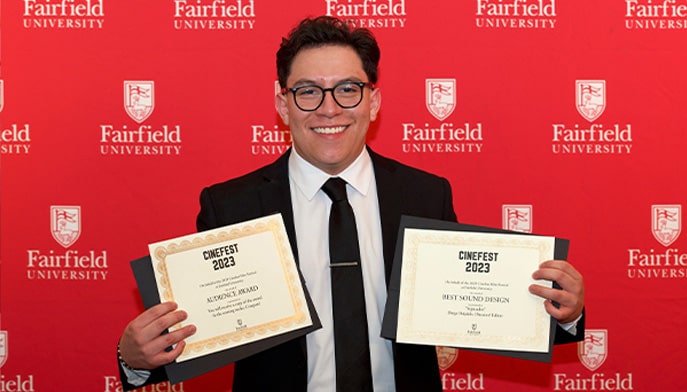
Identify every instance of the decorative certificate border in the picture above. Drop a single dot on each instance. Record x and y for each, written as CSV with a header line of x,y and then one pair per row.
x,y
415,239
300,317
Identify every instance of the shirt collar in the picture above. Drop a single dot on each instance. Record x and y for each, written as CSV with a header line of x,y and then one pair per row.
x,y
309,179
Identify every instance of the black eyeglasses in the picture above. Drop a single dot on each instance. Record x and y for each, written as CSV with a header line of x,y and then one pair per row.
x,y
346,94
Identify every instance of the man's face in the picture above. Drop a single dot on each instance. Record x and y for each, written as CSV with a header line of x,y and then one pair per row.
x,y
331,137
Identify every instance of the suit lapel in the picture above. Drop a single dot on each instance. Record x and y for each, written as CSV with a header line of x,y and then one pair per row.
x,y
390,202
275,196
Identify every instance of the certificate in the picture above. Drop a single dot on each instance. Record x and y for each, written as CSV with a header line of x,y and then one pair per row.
x,y
239,285
460,287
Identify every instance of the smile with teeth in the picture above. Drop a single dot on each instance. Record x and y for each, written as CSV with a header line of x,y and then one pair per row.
x,y
329,130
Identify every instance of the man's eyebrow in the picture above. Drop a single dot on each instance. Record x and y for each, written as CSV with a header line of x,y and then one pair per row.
x,y
309,82
304,82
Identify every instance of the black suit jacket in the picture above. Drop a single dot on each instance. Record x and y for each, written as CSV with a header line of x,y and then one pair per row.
x,y
402,190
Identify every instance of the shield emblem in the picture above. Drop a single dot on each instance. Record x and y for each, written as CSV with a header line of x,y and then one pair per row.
x,y
66,224
517,218
440,97
2,94
666,222
139,99
3,348
591,98
593,350
446,356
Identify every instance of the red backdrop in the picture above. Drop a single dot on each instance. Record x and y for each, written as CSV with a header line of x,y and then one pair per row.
x,y
562,118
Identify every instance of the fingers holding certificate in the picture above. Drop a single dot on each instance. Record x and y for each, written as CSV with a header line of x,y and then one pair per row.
x,y
569,299
144,346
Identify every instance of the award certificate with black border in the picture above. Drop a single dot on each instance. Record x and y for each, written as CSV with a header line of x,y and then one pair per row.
x,y
239,285
466,286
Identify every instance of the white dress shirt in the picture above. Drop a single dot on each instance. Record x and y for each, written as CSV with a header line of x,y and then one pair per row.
x,y
311,218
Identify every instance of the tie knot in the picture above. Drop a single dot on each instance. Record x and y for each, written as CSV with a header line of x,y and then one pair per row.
x,y
335,188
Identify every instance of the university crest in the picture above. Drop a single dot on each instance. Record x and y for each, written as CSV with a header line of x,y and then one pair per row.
x,y
517,218
65,222
440,97
139,99
3,348
666,223
593,350
590,96
446,356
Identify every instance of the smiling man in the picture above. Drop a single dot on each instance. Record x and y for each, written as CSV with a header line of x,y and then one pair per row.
x,y
326,134
328,72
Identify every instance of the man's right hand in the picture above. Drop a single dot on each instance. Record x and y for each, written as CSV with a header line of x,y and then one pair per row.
x,y
143,347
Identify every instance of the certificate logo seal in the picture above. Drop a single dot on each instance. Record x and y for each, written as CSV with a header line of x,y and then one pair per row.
x,y
593,350
590,96
440,97
666,223
139,99
65,222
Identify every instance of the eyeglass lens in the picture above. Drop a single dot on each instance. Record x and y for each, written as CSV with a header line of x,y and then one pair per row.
x,y
347,95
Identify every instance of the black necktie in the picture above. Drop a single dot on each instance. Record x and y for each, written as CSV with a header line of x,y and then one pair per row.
x,y
351,345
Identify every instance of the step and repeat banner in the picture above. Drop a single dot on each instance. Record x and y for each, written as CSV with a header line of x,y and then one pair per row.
x,y
562,118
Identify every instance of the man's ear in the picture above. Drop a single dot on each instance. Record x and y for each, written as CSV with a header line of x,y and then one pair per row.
x,y
282,108
375,103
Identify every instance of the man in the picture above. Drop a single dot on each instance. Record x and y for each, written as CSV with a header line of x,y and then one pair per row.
x,y
328,100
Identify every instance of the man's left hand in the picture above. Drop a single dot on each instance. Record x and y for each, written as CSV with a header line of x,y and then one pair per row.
x,y
570,298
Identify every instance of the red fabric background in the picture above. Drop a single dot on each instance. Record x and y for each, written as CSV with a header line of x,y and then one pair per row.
x,y
63,71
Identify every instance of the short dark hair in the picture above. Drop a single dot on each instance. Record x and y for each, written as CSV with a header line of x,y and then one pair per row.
x,y
323,31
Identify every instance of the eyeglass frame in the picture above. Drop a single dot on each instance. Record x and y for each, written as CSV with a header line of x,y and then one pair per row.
x,y
362,86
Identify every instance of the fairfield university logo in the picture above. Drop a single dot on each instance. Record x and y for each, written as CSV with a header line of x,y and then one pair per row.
x,y
440,97
114,384
64,14
666,223
369,14
65,223
516,14
17,383
590,96
67,264
517,218
139,99
655,15
446,357
595,138
214,14
141,139
14,139
666,263
443,137
592,353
